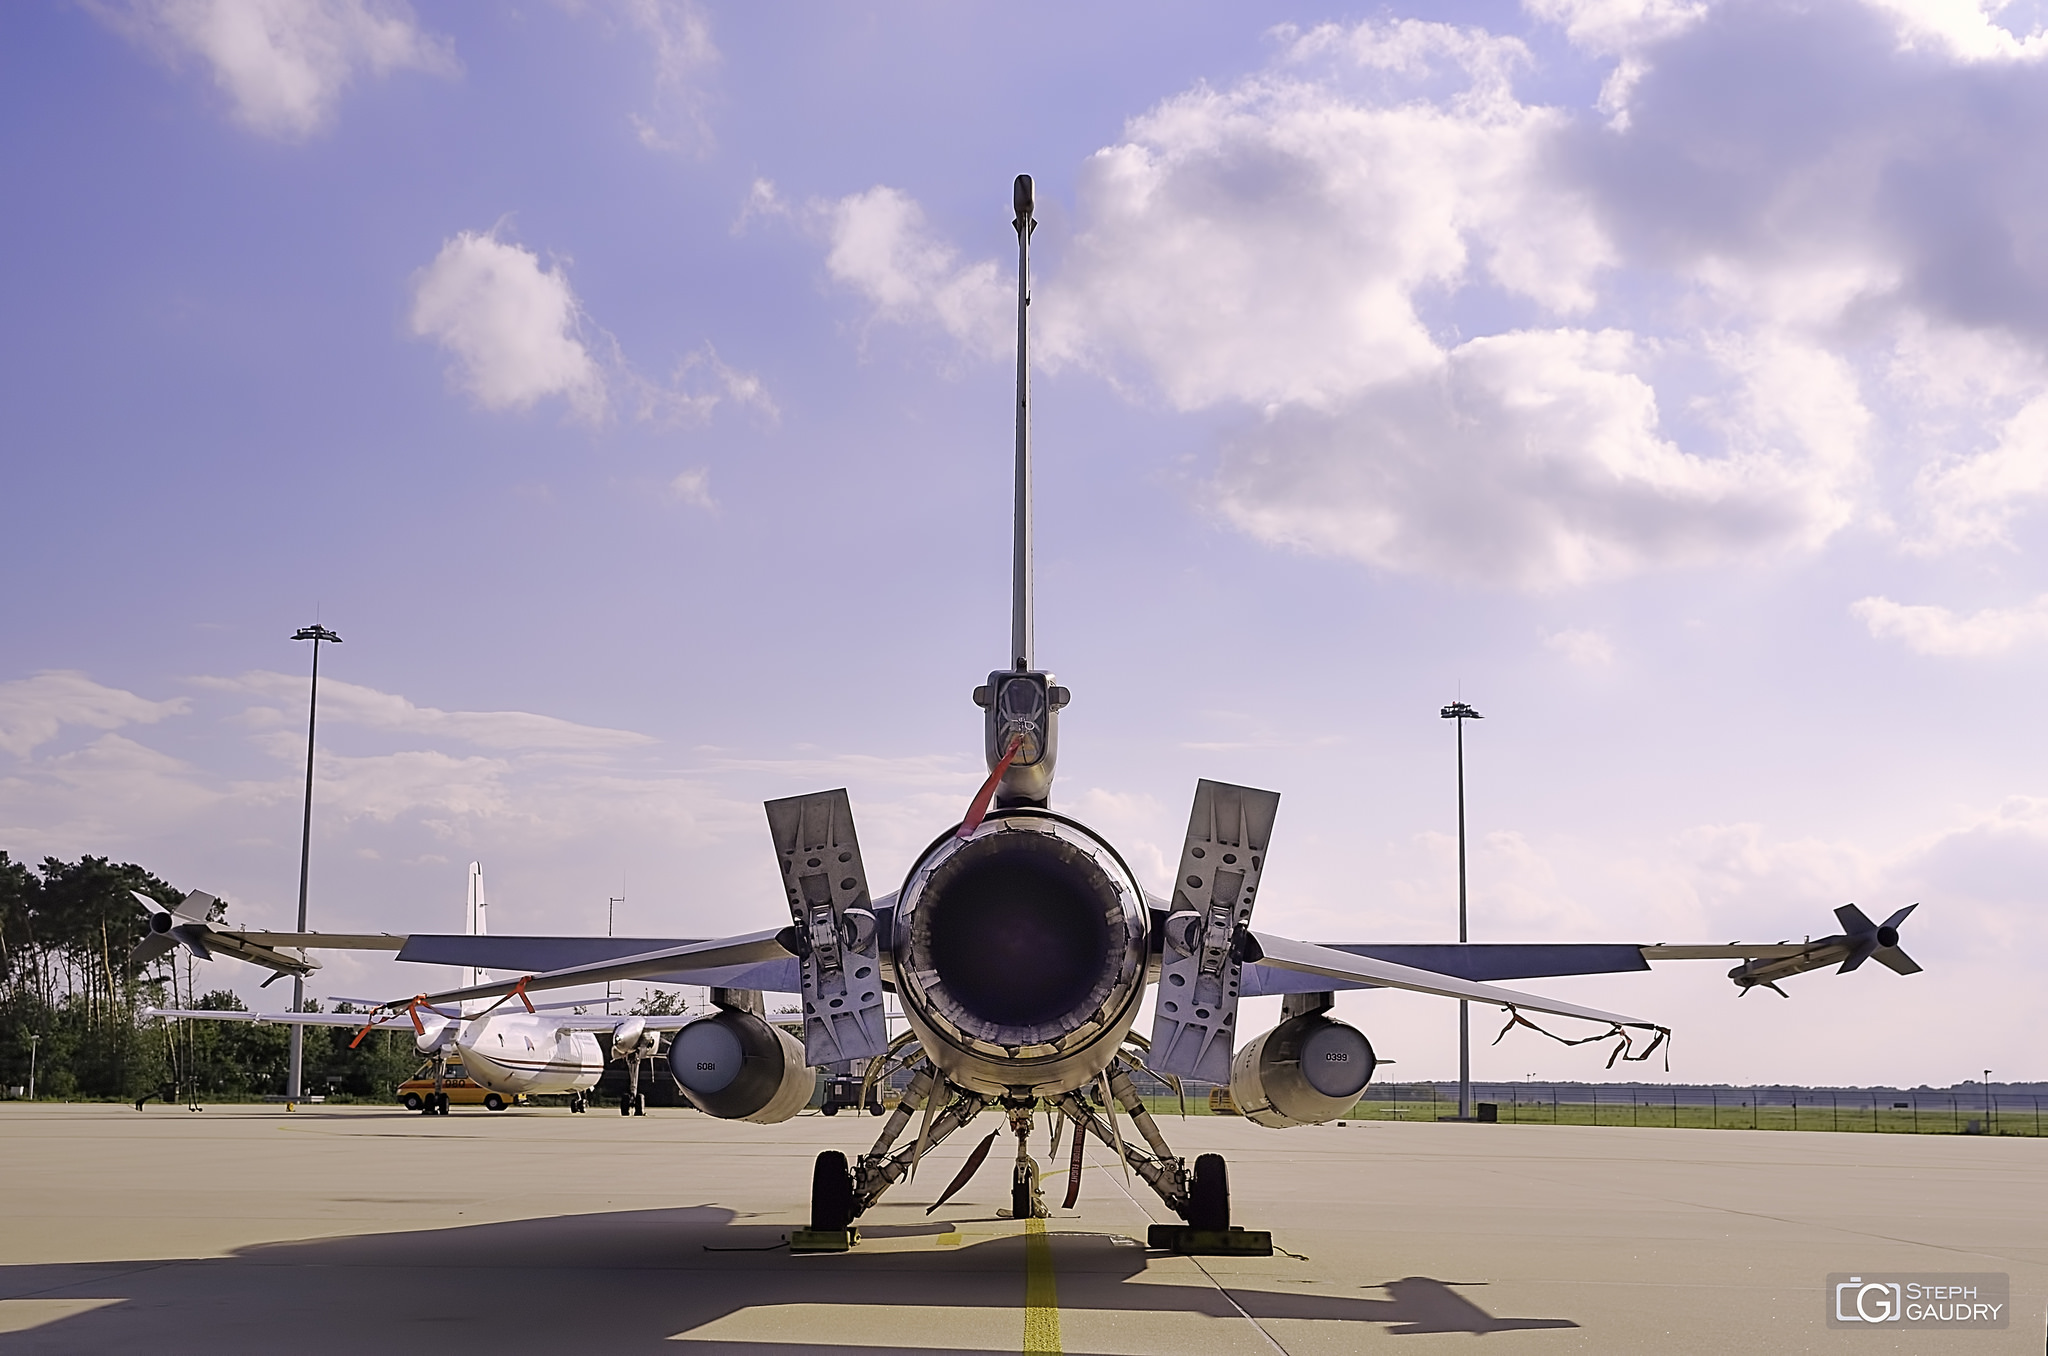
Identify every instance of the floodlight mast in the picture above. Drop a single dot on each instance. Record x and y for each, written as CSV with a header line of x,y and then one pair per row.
x,y
1021,639
295,1077
1461,713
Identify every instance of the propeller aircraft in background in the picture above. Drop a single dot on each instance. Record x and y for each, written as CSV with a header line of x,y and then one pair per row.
x,y
549,1048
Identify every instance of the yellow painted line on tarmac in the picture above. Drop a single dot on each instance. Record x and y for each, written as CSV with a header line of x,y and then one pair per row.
x,y
1041,1292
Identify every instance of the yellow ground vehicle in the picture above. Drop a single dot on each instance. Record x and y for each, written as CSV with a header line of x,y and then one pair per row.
x,y
1220,1103
457,1087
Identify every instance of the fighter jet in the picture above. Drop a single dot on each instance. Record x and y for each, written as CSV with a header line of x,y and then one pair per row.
x,y
1021,946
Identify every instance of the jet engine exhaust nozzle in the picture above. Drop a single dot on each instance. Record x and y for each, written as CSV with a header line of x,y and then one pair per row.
x,y
1024,941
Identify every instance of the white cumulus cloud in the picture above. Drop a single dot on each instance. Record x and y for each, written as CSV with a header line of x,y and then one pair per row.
x,y
882,247
283,64
1788,276
1273,242
519,335
513,325
1972,501
1928,629
1967,29
1533,459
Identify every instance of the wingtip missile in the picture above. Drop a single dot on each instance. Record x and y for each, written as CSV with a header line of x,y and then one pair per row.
x,y
1860,940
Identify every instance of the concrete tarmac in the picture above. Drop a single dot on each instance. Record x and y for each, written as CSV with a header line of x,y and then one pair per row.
x,y
242,1229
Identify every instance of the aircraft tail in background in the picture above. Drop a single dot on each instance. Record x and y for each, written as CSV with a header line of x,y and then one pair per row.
x,y
475,925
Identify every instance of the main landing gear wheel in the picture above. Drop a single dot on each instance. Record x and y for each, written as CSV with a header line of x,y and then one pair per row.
x,y
639,1104
442,1099
412,1102
625,1106
493,1102
1209,1195
831,1192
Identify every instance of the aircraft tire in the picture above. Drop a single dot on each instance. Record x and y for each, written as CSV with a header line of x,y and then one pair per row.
x,y
1209,1195
640,1104
830,1108
493,1102
625,1106
874,1108
442,1103
831,1192
411,1102
1021,1205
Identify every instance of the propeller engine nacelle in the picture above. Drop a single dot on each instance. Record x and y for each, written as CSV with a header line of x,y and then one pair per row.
x,y
1307,1070
737,1067
1019,953
436,1033
631,1037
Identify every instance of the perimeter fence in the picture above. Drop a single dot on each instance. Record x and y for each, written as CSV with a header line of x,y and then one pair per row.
x,y
1878,1111
1965,1111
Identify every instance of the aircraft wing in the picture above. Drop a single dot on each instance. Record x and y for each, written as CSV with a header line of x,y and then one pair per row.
x,y
532,955
1485,961
706,962
325,941
1732,951
351,1019
1328,964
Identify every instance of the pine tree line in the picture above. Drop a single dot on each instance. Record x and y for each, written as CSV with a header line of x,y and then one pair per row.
x,y
66,932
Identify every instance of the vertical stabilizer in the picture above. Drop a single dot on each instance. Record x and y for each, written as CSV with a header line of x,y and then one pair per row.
x,y
473,925
1021,640
1023,702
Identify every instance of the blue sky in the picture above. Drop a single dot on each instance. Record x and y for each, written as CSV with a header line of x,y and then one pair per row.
x,y
628,383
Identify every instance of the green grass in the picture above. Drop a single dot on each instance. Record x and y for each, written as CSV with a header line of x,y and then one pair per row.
x,y
1730,1115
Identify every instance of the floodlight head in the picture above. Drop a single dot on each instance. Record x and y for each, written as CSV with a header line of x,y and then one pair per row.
x,y
1460,711
316,634
1022,199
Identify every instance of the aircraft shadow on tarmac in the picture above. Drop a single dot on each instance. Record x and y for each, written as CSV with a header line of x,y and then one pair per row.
x,y
631,1279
